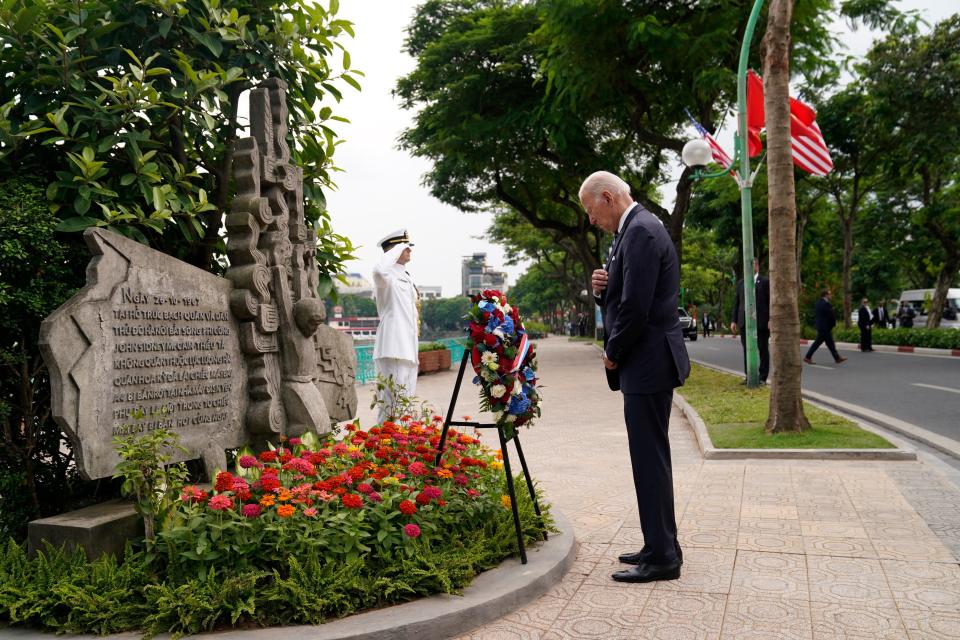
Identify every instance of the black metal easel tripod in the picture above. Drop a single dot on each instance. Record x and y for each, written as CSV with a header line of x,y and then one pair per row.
x,y
450,422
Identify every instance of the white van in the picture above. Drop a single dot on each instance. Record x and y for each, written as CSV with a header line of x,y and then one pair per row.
x,y
920,300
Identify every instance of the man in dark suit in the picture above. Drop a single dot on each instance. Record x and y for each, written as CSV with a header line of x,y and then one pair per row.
x,y
738,319
644,357
881,317
824,320
865,323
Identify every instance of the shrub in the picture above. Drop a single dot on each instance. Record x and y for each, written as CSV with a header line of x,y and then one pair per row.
x,y
431,346
916,337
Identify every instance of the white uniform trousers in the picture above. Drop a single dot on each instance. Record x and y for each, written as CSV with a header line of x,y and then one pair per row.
x,y
404,374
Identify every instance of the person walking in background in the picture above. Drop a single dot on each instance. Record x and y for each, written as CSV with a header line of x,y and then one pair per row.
x,y
706,324
880,317
738,320
644,358
905,315
824,320
865,323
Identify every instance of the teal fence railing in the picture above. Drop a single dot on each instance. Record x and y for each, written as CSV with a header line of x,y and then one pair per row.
x,y
366,372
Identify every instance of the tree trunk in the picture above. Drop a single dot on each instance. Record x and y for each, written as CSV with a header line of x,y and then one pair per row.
x,y
944,281
786,403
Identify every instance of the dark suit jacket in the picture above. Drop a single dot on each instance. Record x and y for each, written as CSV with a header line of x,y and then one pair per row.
x,y
864,318
881,317
763,304
823,317
641,325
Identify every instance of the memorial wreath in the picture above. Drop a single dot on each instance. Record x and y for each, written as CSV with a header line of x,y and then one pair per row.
x,y
504,360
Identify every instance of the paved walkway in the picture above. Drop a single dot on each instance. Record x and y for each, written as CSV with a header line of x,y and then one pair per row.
x,y
772,550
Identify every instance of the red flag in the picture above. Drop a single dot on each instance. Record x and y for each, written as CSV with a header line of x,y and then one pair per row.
x,y
755,115
810,151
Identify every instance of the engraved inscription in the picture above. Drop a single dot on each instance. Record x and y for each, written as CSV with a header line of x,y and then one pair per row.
x,y
172,365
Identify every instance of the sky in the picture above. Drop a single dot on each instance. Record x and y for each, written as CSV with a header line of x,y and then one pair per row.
x,y
380,189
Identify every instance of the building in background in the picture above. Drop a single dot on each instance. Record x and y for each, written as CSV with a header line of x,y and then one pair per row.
x,y
361,329
430,292
356,285
477,276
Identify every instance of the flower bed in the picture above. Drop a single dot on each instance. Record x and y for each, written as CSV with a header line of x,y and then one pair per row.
x,y
315,529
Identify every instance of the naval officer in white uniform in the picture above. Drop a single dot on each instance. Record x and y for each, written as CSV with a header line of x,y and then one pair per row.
x,y
397,297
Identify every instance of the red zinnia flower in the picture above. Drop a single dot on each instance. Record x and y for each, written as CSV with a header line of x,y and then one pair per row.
x,y
224,481
220,503
352,501
268,456
407,508
251,510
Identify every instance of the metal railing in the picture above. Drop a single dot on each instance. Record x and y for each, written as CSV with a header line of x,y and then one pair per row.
x,y
366,371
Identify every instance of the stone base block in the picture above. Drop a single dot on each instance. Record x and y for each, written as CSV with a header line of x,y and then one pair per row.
x,y
99,529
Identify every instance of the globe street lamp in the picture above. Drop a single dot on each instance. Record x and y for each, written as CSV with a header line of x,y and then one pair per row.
x,y
697,154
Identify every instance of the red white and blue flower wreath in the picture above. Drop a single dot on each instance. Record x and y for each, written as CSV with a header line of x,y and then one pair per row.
x,y
504,361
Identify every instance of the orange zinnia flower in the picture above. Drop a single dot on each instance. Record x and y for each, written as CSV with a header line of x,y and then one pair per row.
x,y
284,496
267,501
286,510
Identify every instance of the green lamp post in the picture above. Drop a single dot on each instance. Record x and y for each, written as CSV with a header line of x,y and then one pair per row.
x,y
697,155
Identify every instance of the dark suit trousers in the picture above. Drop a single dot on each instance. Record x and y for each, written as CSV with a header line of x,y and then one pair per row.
x,y
648,419
824,337
763,346
866,339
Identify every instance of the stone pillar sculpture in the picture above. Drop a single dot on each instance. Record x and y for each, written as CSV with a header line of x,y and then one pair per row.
x,y
274,270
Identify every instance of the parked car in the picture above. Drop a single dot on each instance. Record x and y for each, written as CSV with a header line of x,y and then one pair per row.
x,y
687,324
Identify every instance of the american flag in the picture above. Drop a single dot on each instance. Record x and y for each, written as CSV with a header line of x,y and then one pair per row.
x,y
810,151
718,153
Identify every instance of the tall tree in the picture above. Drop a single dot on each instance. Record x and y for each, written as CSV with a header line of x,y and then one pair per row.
x,y
853,179
914,85
786,401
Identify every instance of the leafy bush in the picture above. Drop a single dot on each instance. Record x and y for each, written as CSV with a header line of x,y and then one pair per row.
x,y
916,337
431,346
39,270
536,329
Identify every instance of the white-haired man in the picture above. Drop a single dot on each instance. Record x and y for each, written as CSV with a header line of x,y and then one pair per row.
x,y
395,351
644,357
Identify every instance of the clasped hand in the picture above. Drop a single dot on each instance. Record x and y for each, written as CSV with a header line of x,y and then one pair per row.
x,y
599,281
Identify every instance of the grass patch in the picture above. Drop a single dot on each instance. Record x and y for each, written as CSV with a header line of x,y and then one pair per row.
x,y
735,418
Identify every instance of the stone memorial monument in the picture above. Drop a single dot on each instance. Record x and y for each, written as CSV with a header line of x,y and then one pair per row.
x,y
151,342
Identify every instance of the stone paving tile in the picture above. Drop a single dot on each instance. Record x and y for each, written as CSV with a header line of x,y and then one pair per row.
x,y
848,581
833,621
922,548
776,575
931,625
752,618
704,571
924,585
681,616
770,542
707,538
838,546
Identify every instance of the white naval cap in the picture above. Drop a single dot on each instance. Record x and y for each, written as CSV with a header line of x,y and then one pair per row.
x,y
400,236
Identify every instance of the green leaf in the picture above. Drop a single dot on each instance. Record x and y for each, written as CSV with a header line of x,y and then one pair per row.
x,y
78,223
350,81
25,19
81,205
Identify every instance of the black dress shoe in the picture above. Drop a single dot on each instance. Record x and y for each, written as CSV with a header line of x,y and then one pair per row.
x,y
649,573
644,556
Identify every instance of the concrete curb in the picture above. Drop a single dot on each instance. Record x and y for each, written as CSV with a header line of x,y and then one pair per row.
x,y
490,596
710,452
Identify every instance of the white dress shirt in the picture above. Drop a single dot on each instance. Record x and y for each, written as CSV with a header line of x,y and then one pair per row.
x,y
396,298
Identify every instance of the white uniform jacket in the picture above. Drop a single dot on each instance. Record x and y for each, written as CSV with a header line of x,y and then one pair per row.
x,y
396,298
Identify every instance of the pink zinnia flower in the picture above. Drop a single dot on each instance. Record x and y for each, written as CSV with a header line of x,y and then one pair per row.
x,y
326,496
432,492
247,461
374,497
339,448
251,510
220,502
295,441
411,531
461,480
417,469
193,494
364,488
310,512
